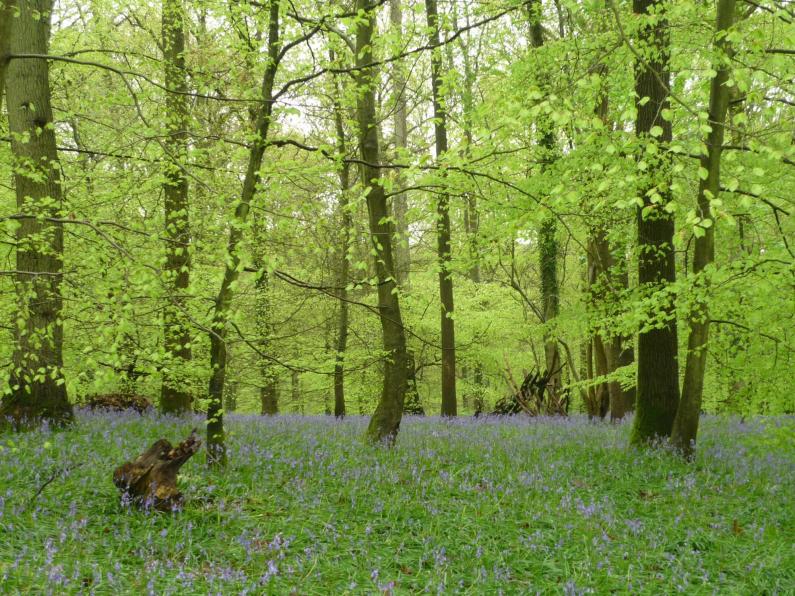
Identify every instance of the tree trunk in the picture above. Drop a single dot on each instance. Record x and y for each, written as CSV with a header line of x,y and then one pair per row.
x,y
216,445
547,234
295,392
449,402
7,8
385,422
604,285
471,213
400,200
269,401
548,264
658,368
37,388
685,428
175,393
344,265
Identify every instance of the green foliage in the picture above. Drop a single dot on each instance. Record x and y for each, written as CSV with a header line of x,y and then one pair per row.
x,y
498,91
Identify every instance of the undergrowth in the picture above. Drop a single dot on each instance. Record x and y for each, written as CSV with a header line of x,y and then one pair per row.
x,y
461,506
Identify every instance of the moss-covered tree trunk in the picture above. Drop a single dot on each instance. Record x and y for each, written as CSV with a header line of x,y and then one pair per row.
x,y
37,390
175,394
658,368
547,234
444,251
685,429
216,444
385,422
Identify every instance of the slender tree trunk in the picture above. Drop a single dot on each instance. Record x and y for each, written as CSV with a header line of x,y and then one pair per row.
x,y
411,403
400,200
295,392
658,368
685,428
471,213
449,401
216,444
345,241
547,234
37,389
269,400
7,8
175,394
385,422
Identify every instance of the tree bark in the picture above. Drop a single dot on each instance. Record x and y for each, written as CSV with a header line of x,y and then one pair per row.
x,y
444,253
385,422
658,368
344,265
216,445
7,8
685,428
37,387
175,394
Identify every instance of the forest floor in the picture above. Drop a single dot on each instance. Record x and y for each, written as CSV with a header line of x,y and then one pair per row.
x,y
465,506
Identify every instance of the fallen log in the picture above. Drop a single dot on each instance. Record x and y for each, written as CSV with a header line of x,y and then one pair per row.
x,y
150,481
118,402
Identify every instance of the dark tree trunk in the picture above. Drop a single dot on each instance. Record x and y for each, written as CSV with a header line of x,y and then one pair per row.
x,y
385,422
37,388
449,401
685,429
216,444
150,481
658,368
175,394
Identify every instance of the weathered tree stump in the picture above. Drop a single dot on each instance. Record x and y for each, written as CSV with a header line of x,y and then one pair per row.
x,y
150,481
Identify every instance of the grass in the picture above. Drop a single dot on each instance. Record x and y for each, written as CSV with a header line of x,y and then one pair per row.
x,y
466,506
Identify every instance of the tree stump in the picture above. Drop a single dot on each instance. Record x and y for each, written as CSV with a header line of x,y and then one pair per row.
x,y
150,481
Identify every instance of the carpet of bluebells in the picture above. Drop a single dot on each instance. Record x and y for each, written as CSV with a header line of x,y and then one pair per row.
x,y
464,506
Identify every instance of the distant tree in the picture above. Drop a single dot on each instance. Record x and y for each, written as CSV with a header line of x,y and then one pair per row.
x,y
344,258
444,251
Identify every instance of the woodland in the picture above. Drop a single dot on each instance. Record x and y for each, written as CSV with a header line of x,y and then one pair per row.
x,y
468,296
